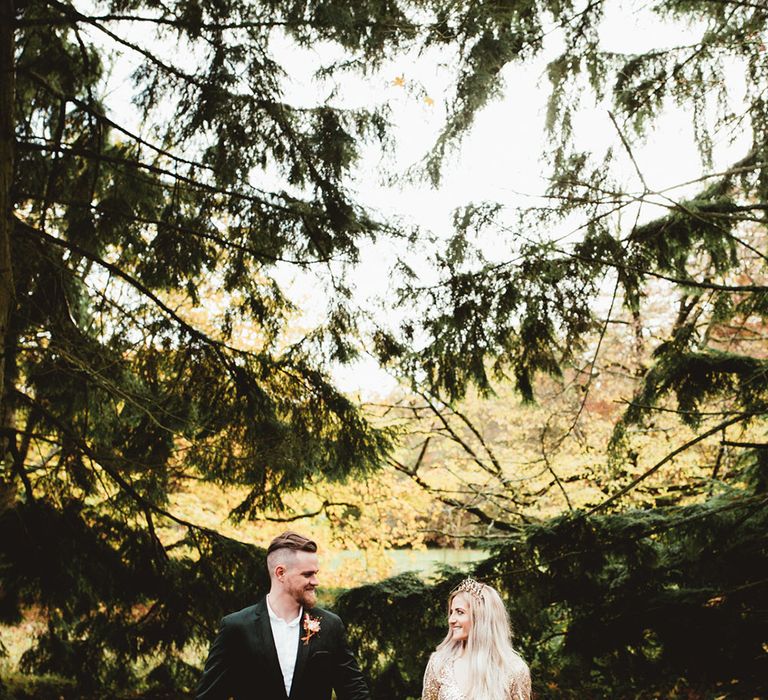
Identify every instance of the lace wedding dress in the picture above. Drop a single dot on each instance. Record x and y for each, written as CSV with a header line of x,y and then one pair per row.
x,y
440,682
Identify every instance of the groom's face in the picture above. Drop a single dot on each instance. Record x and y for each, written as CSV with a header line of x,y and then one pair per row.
x,y
301,578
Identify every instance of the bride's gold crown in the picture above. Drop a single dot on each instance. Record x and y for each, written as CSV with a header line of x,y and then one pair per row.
x,y
469,585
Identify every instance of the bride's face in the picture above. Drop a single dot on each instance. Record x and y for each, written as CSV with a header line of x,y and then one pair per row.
x,y
459,618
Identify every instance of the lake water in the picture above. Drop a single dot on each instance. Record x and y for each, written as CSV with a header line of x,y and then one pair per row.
x,y
425,562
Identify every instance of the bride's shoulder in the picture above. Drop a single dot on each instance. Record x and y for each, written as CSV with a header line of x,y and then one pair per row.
x,y
437,663
434,661
518,663
520,678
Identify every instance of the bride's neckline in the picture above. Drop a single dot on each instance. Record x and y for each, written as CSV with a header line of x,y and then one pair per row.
x,y
454,679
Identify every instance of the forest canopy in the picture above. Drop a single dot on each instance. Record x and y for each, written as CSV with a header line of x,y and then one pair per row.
x,y
148,344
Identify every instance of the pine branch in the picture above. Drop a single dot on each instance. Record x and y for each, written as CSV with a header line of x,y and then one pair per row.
x,y
628,149
326,505
157,170
738,3
690,283
105,462
491,455
78,17
100,116
190,330
218,346
550,468
176,23
196,232
75,17
591,372
195,184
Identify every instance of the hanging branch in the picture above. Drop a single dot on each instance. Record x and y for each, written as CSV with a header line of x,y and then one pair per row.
x,y
670,456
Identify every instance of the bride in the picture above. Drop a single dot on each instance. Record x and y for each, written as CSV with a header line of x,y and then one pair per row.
x,y
476,660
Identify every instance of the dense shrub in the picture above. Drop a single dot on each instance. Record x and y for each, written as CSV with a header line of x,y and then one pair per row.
x,y
661,603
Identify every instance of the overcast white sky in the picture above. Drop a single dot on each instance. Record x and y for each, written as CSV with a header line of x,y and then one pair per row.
x,y
500,160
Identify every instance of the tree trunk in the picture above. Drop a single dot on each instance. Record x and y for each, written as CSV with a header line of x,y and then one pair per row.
x,y
7,87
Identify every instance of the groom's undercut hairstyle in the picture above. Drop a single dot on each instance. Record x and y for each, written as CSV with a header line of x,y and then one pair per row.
x,y
285,546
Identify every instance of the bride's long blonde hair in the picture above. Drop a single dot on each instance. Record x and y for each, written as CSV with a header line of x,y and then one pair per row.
x,y
493,662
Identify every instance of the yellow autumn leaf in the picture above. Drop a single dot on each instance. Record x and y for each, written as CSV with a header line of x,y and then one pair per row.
x,y
399,81
429,101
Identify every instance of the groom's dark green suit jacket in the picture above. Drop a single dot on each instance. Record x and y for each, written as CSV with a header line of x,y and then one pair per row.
x,y
242,663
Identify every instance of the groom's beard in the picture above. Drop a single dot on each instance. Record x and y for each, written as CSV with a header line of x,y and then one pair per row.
x,y
308,598
304,595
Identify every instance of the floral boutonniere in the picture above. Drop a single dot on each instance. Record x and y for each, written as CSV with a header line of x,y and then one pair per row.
x,y
311,627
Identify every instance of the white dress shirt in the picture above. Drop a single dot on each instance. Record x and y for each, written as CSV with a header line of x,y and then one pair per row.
x,y
286,636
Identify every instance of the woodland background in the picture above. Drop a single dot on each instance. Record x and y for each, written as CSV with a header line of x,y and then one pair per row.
x,y
582,383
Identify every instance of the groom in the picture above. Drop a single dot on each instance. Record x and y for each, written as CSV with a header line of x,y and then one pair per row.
x,y
283,648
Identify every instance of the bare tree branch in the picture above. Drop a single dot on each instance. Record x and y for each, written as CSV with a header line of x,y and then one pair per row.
x,y
670,456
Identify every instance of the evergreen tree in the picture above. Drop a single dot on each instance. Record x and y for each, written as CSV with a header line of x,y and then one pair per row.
x,y
112,233
640,604
115,231
610,601
537,310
